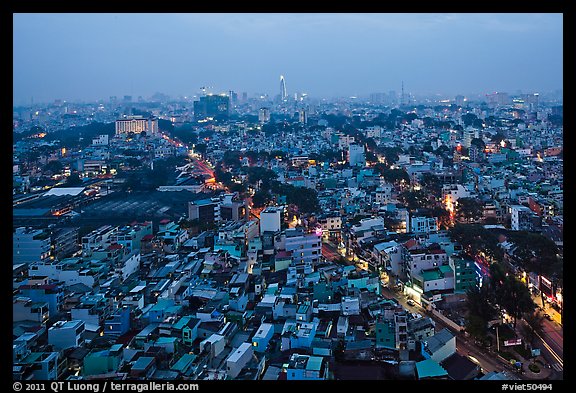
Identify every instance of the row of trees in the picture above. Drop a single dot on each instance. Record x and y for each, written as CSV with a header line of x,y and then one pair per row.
x,y
476,239
501,292
264,181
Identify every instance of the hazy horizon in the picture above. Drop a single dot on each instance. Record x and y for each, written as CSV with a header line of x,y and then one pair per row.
x,y
88,57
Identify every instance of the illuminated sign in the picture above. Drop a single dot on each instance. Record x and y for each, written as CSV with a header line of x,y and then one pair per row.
x,y
509,343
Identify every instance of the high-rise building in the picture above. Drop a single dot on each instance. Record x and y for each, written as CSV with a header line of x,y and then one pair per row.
x,y
233,97
531,101
459,100
264,115
270,219
283,93
137,124
498,99
30,245
303,116
356,155
212,105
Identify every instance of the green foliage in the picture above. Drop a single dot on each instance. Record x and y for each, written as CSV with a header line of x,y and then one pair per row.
x,y
478,302
507,355
148,179
201,149
478,143
165,125
391,154
278,154
534,368
257,174
469,119
305,198
498,137
432,184
70,137
536,252
533,324
186,134
442,150
512,295
54,166
371,157
73,180
232,158
474,239
469,208
392,175
476,326
222,176
327,155
414,199
480,311
205,134
261,198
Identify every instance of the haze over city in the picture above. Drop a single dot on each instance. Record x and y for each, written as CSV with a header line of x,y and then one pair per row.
x,y
279,197
93,56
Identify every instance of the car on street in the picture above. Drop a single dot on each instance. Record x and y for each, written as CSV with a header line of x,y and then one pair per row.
x,y
411,302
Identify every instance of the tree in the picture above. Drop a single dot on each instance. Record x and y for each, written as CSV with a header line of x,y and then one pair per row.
x,y
533,325
470,209
391,154
54,166
371,157
442,215
73,180
537,254
259,174
201,149
432,183
476,326
305,198
515,298
261,198
475,239
498,137
222,176
442,150
392,175
478,302
479,143
414,199
469,119
232,158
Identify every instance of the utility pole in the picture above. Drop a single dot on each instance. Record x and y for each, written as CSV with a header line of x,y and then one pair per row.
x,y
497,339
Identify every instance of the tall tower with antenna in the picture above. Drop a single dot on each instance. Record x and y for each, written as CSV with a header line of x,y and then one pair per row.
x,y
402,98
283,94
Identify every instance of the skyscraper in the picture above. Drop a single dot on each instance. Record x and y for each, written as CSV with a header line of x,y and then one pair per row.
x,y
283,94
212,105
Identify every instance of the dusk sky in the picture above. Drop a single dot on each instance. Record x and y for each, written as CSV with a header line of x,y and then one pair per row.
x,y
94,56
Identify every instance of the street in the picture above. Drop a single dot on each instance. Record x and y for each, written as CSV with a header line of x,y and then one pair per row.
x,y
329,252
488,361
551,343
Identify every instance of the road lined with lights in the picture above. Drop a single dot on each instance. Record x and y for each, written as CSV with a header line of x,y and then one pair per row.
x,y
329,252
488,361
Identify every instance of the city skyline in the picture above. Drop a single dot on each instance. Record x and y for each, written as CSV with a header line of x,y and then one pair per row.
x,y
68,56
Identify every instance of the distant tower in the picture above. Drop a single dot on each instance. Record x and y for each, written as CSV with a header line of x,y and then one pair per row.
x,y
283,94
402,102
